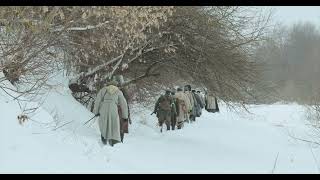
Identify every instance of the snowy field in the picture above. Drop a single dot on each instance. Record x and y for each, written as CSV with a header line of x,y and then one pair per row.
x,y
56,141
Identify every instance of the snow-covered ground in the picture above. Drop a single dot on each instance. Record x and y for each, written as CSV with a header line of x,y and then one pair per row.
x,y
224,142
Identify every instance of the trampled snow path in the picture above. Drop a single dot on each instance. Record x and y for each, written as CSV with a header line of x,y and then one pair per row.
x,y
223,142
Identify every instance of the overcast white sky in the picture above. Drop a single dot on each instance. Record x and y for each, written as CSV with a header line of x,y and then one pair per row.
x,y
292,14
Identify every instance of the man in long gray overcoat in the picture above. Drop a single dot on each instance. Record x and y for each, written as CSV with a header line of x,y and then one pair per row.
x,y
106,105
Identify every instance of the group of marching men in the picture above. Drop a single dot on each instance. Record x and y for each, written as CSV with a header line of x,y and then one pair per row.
x,y
174,108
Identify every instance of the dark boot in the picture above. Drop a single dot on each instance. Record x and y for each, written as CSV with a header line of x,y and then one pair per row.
x,y
111,142
179,125
122,136
173,125
191,118
104,141
168,128
168,124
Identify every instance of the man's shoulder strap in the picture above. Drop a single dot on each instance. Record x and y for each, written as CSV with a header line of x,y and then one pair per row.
x,y
104,94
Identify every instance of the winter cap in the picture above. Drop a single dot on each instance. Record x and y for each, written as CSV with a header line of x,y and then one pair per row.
x,y
168,92
187,87
119,79
112,82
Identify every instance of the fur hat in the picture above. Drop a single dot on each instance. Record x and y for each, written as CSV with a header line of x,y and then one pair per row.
x,y
187,87
112,82
119,79
168,92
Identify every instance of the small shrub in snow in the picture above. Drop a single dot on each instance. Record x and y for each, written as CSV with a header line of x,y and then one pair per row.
x,y
22,118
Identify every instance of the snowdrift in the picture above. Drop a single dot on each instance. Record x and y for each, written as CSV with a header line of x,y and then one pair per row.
x,y
55,140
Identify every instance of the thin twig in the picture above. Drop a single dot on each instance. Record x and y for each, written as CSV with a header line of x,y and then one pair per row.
x,y
305,140
62,125
315,159
275,163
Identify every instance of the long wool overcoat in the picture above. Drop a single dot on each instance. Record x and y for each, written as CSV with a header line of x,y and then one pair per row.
x,y
107,102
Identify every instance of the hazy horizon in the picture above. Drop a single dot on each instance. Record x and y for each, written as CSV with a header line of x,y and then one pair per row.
x,y
294,14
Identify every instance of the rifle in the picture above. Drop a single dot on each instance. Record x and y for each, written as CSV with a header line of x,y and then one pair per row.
x,y
90,119
129,119
98,109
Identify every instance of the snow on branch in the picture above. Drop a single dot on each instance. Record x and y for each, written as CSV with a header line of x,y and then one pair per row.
x,y
89,27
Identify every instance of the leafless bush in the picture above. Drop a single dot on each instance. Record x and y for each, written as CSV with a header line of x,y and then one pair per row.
x,y
213,51
154,48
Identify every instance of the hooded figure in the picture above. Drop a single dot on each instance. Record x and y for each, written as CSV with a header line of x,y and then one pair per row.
x,y
199,104
202,98
174,111
184,107
187,91
108,100
193,101
124,125
211,103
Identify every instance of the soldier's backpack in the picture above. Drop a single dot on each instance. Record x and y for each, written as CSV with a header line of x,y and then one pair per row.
x,y
165,103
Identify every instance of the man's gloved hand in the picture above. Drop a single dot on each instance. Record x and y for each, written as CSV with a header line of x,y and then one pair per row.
x,y
97,115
